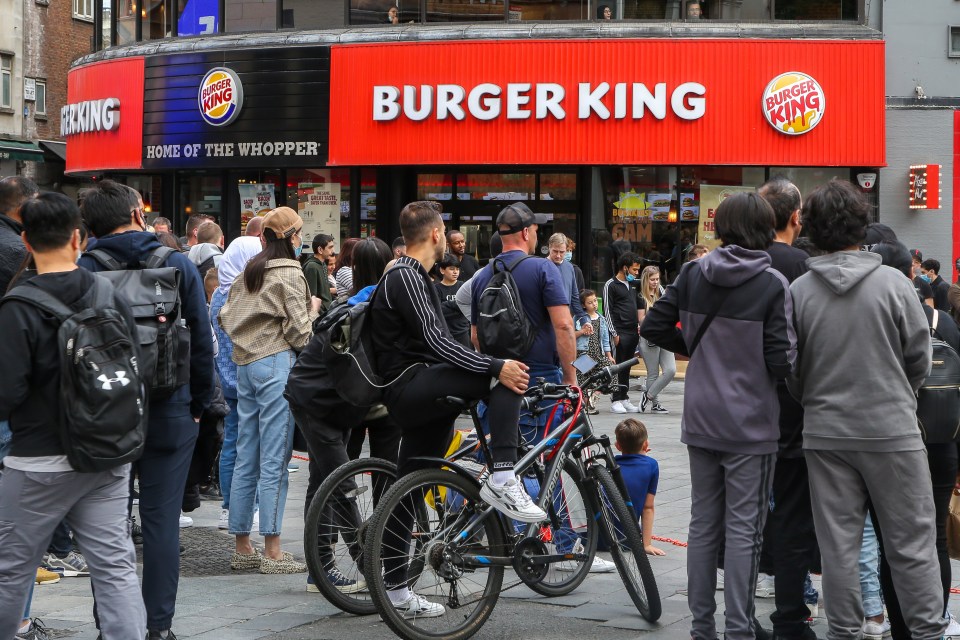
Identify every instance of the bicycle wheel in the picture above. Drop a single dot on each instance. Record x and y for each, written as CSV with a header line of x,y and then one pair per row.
x,y
336,521
626,545
572,529
448,563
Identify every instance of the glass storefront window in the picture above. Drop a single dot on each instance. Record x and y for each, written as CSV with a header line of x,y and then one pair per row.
x,y
105,13
464,10
312,14
126,22
153,20
250,15
434,186
546,10
558,186
198,193
496,186
816,10
385,12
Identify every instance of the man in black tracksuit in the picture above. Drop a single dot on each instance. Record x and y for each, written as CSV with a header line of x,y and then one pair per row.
x,y
620,309
793,540
113,214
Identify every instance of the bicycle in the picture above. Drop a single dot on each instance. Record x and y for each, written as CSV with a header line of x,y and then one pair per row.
x,y
459,548
338,516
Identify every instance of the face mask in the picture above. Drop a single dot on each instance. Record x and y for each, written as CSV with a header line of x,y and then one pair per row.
x,y
925,277
568,256
631,277
297,251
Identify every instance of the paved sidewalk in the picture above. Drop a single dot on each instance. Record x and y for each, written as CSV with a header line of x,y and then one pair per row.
x,y
219,605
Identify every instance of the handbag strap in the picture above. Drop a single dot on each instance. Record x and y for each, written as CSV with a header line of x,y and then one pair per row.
x,y
706,321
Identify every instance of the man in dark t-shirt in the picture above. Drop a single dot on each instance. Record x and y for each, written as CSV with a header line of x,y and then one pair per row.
x,y
789,535
924,290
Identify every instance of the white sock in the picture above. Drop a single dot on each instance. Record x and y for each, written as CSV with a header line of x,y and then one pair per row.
x,y
26,627
399,596
500,478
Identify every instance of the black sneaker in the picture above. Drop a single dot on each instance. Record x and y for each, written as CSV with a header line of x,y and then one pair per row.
x,y
210,492
644,401
657,408
166,634
36,631
136,532
343,584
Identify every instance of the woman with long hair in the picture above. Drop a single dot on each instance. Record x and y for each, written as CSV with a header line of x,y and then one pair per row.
x,y
661,364
343,272
267,316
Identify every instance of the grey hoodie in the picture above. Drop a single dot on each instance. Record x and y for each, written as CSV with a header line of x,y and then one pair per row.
x,y
200,253
731,401
864,350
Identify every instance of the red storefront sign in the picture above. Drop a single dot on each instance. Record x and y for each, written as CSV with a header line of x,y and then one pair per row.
x,y
608,102
103,117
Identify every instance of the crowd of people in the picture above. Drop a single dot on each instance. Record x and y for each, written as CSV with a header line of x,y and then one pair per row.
x,y
789,444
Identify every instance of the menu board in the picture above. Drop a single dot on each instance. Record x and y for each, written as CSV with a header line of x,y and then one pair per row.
x,y
255,200
319,206
659,206
711,196
689,207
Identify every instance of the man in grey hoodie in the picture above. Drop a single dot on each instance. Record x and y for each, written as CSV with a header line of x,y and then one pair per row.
x,y
863,351
736,314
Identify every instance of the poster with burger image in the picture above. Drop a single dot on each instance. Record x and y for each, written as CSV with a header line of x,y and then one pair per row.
x,y
689,207
711,195
660,206
255,200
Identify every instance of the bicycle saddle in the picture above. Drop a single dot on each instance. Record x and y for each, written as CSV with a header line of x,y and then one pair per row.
x,y
463,404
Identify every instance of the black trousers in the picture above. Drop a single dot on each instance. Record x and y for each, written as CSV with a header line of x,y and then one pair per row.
x,y
793,543
942,459
427,425
626,349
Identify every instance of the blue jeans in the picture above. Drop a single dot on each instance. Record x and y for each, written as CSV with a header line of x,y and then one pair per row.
x,y
228,452
264,444
5,439
870,572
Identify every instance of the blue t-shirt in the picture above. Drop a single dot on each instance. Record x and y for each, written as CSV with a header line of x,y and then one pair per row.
x,y
540,286
641,473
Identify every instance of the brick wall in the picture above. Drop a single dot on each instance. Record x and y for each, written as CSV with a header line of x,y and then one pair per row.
x,y
53,39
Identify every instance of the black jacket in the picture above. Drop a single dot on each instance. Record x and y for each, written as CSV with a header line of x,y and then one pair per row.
x,y
131,247
30,377
408,327
940,289
620,306
12,251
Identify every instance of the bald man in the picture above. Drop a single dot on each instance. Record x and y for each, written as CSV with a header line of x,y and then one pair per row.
x,y
254,227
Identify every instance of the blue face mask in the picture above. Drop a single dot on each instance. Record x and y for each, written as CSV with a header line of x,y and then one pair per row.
x,y
925,277
568,256
631,277
297,251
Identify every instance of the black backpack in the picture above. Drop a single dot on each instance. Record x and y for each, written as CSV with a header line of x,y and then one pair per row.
x,y
153,292
103,421
503,329
938,400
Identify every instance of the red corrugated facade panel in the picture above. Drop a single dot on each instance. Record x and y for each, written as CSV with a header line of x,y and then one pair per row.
x,y
119,148
732,129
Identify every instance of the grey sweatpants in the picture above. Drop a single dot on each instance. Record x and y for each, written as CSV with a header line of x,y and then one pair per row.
x,y
656,359
899,485
730,497
32,504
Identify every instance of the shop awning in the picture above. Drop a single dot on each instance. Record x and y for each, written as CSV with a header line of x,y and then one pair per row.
x,y
56,151
15,150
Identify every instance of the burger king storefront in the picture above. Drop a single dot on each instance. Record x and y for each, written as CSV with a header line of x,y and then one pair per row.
x,y
625,142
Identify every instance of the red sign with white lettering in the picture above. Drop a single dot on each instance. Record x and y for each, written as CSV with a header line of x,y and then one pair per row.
x,y
735,102
103,118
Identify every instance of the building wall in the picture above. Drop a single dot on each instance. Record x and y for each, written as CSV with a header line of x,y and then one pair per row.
x,y
917,136
917,48
11,42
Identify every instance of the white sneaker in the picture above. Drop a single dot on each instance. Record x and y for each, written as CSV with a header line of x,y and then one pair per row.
x,y
419,607
765,587
617,407
602,566
185,521
630,407
224,522
876,630
953,628
513,500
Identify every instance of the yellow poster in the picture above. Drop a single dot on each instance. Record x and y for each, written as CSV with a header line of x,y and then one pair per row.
x,y
711,195
319,206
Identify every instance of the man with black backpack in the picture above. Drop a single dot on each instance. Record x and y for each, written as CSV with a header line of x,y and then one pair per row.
x,y
70,377
167,298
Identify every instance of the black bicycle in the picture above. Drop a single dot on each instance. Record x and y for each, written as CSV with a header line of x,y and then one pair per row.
x,y
432,533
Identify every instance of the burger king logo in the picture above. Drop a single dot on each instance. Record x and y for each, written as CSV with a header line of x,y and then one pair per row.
x,y
220,97
793,103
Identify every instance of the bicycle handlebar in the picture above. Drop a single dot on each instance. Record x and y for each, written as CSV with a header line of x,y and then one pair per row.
x,y
550,391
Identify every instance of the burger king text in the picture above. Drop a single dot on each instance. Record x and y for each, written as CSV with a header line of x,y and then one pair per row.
x,y
540,101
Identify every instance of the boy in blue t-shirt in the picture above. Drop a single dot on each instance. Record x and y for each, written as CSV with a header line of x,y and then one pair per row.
x,y
641,473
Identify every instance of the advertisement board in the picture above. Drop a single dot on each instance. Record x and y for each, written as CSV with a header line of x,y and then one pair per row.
x,y
711,195
319,206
